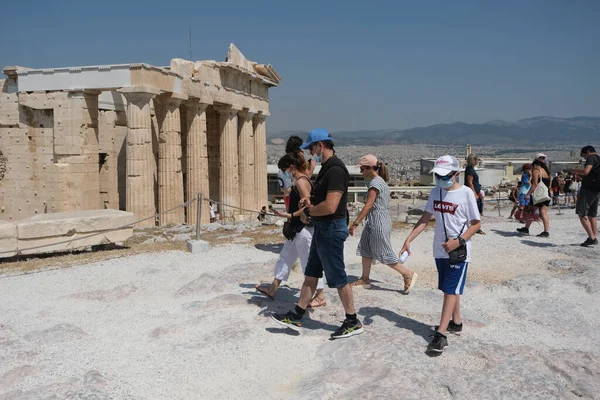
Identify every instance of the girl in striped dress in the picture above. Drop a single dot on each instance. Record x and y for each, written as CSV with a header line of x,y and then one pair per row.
x,y
375,241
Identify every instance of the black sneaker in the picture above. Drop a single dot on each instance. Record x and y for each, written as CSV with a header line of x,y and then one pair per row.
x,y
523,230
438,343
288,320
589,242
544,234
452,328
348,328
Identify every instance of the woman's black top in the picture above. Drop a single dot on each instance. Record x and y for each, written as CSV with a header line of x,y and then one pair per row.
x,y
294,205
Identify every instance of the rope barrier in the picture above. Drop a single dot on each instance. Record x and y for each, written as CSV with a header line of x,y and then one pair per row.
x,y
97,232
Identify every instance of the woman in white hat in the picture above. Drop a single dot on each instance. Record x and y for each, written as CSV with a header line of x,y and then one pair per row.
x,y
375,240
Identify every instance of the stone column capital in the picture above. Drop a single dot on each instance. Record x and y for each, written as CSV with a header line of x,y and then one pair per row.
x,y
247,113
173,99
139,93
196,104
261,116
230,109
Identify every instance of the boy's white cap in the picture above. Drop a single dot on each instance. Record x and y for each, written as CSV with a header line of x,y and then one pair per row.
x,y
445,164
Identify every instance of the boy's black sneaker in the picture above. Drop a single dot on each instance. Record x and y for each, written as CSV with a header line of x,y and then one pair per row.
x,y
348,328
589,242
544,234
523,230
452,328
438,343
289,320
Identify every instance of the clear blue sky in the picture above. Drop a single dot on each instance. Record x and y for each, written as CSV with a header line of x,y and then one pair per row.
x,y
345,65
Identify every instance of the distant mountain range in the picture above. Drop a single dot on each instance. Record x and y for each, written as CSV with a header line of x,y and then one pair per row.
x,y
531,131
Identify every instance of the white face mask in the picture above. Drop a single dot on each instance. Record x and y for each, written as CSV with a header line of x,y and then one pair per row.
x,y
317,157
445,184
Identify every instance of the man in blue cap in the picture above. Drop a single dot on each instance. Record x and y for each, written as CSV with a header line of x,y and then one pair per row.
x,y
328,214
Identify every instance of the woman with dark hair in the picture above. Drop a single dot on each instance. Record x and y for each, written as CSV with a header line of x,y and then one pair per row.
x,y
540,173
375,240
299,235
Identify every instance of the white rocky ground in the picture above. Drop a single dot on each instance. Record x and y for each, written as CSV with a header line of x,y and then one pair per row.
x,y
179,326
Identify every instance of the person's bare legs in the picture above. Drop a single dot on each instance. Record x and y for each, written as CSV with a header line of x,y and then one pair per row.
x,y
447,311
590,225
366,268
405,272
545,218
347,298
309,287
456,313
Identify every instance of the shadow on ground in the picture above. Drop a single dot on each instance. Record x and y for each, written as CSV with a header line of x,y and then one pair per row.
x,y
506,233
272,247
537,244
285,300
417,327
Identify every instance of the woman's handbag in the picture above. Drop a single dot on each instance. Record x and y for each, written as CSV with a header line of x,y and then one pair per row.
x,y
458,255
289,230
573,187
540,194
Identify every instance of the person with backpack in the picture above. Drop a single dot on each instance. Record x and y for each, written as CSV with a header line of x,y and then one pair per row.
x,y
587,202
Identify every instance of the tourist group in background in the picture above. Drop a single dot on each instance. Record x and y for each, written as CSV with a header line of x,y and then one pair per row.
x,y
317,225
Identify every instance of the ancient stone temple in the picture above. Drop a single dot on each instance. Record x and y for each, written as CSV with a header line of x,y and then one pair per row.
x,y
135,137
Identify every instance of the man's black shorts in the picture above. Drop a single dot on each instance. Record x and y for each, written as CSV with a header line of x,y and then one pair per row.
x,y
587,203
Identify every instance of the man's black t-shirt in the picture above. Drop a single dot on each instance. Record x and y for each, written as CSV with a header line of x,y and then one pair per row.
x,y
333,177
588,181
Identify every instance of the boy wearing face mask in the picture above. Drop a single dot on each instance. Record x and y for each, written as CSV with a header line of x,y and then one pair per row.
x,y
457,219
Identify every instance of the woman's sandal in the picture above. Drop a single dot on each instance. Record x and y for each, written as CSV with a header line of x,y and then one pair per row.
x,y
360,283
409,282
314,303
264,291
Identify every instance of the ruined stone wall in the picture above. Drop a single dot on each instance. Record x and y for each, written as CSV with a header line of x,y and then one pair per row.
x,y
51,146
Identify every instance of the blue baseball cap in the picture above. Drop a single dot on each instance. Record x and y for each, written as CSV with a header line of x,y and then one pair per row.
x,y
316,135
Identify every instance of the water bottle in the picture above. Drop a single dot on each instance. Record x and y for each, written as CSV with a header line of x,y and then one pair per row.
x,y
404,255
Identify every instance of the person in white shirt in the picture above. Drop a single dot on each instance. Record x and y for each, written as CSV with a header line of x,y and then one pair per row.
x,y
457,219
213,211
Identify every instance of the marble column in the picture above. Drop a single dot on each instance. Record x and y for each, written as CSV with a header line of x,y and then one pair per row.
x,y
170,172
229,193
260,160
140,158
246,159
196,160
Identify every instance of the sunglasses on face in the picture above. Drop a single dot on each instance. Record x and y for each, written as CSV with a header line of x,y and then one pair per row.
x,y
445,177
364,168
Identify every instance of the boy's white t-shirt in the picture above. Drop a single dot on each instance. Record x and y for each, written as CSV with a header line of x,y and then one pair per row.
x,y
458,207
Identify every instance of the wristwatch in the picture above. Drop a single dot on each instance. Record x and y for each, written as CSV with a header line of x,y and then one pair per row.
x,y
461,241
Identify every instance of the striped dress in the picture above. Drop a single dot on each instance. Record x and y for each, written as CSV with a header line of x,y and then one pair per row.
x,y
375,241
